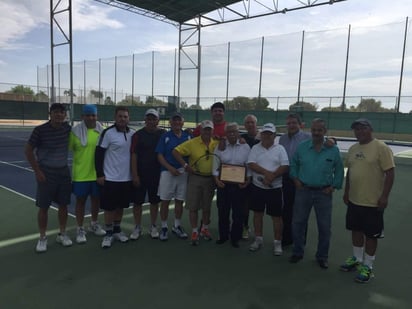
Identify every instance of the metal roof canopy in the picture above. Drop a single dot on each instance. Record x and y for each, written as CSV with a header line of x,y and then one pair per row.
x,y
191,15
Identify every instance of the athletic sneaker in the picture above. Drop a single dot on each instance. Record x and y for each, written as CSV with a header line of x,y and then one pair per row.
x,y
365,274
81,236
205,233
137,232
97,229
107,241
154,233
277,249
120,237
163,234
256,245
245,233
350,264
195,238
41,245
64,240
179,232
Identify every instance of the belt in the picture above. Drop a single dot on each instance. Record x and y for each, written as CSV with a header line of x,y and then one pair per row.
x,y
315,188
206,176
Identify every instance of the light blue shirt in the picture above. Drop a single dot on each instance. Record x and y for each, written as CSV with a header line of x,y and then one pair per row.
x,y
317,169
290,143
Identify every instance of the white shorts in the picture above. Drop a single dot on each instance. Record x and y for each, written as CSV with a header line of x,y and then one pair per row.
x,y
172,186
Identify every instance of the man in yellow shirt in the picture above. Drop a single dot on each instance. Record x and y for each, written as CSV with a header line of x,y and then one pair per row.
x,y
201,185
369,180
82,141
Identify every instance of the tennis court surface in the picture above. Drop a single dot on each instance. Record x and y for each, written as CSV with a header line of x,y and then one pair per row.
x,y
152,274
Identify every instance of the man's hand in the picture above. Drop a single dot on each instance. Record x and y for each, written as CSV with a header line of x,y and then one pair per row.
x,y
136,181
100,180
40,177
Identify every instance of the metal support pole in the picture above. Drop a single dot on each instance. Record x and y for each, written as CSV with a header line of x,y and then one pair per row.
x,y
261,69
84,80
228,71
300,65
178,63
100,80
132,79
115,80
199,59
153,76
402,65
343,106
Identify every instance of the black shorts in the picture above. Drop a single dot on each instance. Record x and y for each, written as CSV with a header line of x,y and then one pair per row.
x,y
368,220
149,186
57,187
115,195
271,199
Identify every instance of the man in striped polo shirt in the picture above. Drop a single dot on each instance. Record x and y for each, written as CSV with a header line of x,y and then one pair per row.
x,y
47,152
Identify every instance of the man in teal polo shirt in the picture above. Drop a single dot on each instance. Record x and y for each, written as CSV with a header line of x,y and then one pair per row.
x,y
317,171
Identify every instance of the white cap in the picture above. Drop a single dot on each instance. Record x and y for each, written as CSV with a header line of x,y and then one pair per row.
x,y
268,127
152,111
206,124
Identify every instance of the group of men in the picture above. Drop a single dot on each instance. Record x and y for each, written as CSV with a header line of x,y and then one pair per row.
x,y
118,165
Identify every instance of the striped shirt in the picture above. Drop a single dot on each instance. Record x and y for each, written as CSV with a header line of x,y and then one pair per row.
x,y
51,144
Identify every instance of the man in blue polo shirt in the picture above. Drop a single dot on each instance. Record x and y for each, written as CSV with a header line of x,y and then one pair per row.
x,y
173,177
317,171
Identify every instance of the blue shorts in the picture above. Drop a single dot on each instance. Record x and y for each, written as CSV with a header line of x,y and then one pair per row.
x,y
85,188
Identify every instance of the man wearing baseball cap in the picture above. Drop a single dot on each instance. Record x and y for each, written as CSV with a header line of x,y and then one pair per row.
x,y
146,171
369,180
47,152
268,162
82,142
173,177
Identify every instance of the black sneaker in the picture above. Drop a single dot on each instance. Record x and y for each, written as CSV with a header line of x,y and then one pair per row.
x,y
295,258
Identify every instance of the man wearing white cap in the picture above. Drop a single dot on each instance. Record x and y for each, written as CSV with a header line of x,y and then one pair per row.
x,y
201,185
146,171
83,140
268,162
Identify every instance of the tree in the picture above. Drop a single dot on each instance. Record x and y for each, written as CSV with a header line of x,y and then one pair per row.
x,y
20,89
195,106
41,96
183,105
96,94
245,103
332,109
129,101
152,101
371,105
302,106
68,92
108,101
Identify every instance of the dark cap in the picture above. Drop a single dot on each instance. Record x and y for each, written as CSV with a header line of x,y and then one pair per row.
x,y
176,114
362,121
217,105
57,106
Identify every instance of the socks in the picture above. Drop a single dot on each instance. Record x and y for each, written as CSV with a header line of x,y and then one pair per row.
x,y
358,253
369,259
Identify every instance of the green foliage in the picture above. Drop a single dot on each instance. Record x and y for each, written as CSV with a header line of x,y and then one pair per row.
x,y
96,94
194,106
20,89
129,101
108,101
152,101
69,92
41,96
303,106
245,103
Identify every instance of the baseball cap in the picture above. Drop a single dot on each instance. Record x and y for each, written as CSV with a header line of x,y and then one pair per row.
x,y
176,114
268,127
152,111
57,106
89,109
362,121
206,124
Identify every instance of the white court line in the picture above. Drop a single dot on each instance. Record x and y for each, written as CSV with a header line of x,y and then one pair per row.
x,y
31,199
18,166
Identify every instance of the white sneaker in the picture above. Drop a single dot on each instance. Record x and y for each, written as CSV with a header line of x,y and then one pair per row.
x,y
107,241
137,232
81,236
120,237
277,249
255,246
154,233
97,229
64,240
41,245
164,234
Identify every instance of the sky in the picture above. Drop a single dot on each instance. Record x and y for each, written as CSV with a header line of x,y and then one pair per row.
x,y
101,31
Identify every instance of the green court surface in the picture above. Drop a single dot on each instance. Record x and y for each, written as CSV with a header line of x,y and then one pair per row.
x,y
152,274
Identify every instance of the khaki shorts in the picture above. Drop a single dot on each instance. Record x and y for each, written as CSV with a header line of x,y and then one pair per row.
x,y
200,191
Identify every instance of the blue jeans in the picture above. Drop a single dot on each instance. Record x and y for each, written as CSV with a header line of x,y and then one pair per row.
x,y
322,202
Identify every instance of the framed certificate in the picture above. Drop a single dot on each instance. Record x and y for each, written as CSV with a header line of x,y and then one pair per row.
x,y
232,173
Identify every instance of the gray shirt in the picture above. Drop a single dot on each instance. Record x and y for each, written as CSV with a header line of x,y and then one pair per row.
x,y
290,143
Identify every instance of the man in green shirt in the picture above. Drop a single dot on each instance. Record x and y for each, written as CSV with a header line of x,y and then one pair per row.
x,y
83,140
